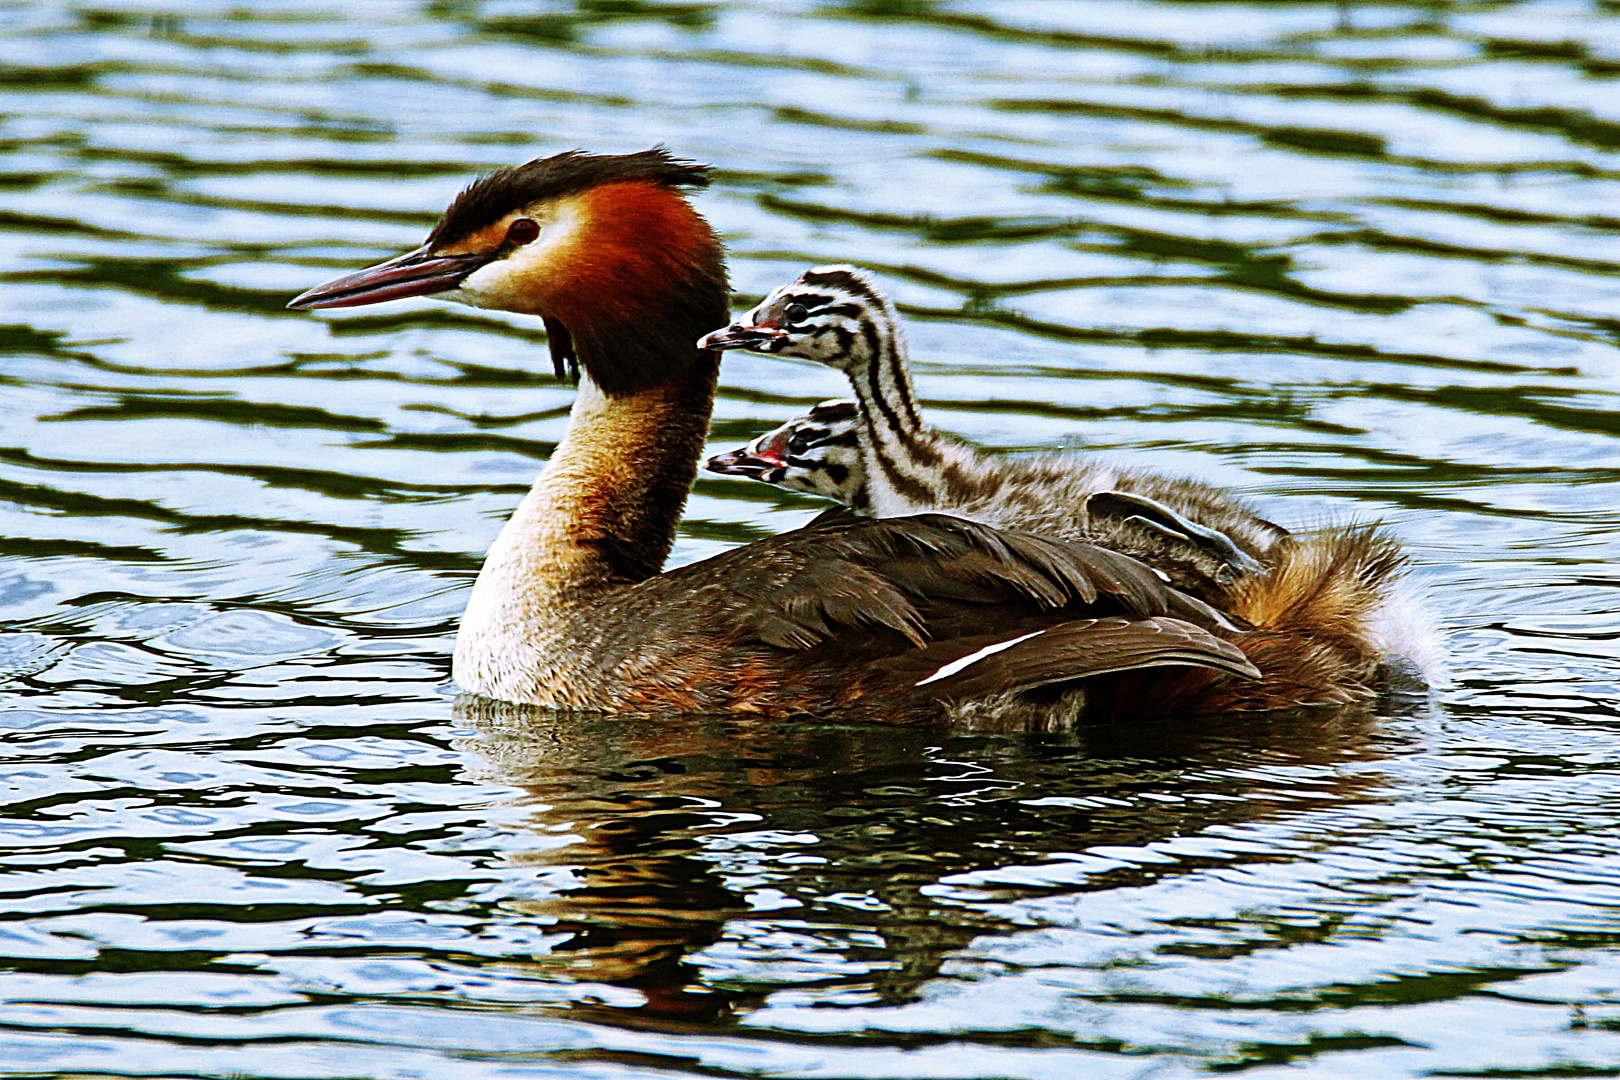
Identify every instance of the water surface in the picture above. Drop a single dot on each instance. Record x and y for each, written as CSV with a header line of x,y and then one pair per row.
x,y
1352,260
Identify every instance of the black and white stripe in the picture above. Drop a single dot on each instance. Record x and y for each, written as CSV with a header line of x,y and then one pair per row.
x,y
835,315
818,453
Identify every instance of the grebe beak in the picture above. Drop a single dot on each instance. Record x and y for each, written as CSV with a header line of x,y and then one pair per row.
x,y
738,336
740,462
415,273
763,459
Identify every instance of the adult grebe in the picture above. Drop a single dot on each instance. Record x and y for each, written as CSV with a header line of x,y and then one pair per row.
x,y
908,620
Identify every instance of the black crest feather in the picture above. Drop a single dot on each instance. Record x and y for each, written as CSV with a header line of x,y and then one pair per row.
x,y
490,197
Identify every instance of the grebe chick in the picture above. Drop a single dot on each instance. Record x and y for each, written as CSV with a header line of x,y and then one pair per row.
x,y
1204,538
1323,603
819,453
915,620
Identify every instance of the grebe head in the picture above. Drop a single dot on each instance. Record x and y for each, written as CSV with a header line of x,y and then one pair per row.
x,y
604,247
818,453
833,315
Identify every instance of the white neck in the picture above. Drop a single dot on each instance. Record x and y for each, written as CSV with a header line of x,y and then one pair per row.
x,y
908,463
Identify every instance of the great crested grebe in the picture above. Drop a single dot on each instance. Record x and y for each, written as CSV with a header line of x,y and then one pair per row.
x,y
1324,602
908,620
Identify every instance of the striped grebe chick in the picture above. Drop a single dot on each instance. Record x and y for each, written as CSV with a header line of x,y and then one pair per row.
x,y
915,620
1323,604
819,453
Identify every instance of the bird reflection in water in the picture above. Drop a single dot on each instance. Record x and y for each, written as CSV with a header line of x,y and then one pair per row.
x,y
704,847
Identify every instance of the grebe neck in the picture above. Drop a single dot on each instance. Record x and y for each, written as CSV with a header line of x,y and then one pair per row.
x,y
602,515
911,467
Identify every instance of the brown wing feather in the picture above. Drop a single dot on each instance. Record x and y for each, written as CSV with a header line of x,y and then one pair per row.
x,y
865,574
807,609
1068,651
850,614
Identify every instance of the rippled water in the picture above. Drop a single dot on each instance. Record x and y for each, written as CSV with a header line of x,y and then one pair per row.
x,y
1355,260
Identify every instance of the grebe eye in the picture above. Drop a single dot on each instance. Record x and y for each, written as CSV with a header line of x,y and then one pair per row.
x,y
795,314
522,231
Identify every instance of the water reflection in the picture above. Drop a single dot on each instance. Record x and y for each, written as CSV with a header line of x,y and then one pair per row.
x,y
695,859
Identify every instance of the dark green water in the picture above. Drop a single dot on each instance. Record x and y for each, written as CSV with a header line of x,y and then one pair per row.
x,y
1354,260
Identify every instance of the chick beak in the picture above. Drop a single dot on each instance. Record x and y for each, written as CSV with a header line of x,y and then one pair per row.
x,y
762,459
415,273
739,336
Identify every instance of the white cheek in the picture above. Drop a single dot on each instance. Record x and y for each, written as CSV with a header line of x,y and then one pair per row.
x,y
484,286
507,284
836,361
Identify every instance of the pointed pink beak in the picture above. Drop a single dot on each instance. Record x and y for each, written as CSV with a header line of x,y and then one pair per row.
x,y
759,459
415,273
739,336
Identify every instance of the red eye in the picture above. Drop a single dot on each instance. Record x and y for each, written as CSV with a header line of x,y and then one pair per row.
x,y
522,231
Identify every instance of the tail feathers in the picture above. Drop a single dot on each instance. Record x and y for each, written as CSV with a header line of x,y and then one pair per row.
x,y
1312,637
1317,620
1330,582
